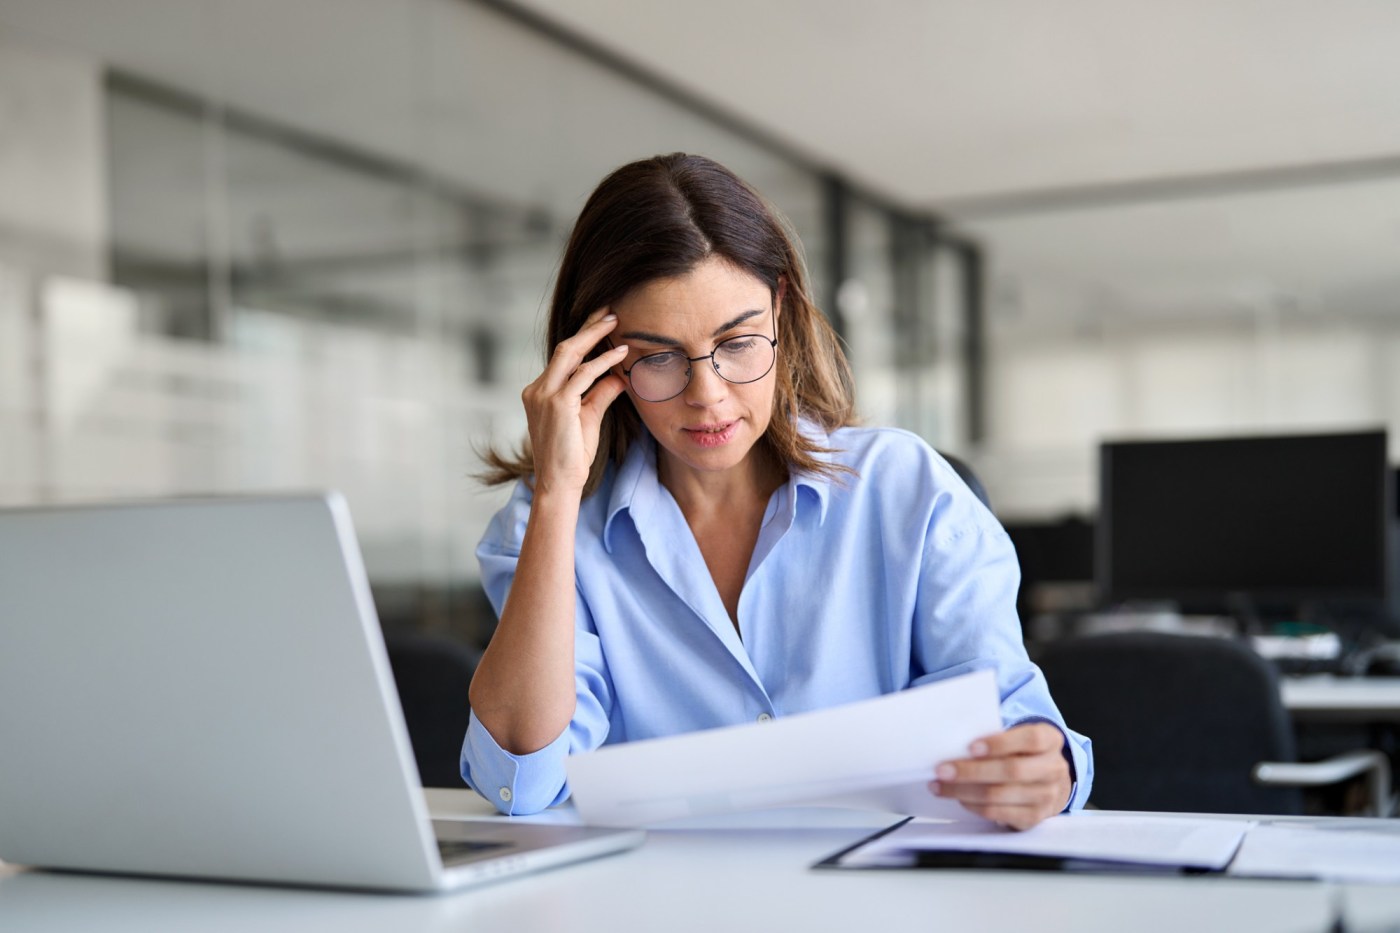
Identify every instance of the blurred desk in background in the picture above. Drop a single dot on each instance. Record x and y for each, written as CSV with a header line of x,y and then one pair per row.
x,y
1325,697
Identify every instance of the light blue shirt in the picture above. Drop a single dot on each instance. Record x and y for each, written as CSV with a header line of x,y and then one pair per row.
x,y
858,586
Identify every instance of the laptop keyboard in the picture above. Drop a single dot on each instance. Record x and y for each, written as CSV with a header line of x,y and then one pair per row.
x,y
455,851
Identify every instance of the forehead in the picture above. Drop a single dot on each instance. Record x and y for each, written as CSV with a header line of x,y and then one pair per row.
x,y
711,294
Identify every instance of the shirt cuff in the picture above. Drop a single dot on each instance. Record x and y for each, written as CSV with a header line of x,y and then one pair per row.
x,y
1081,765
515,784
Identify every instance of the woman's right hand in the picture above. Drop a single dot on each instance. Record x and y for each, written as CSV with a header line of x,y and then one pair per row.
x,y
523,690
564,414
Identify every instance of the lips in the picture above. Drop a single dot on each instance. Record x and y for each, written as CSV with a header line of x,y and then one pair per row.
x,y
712,435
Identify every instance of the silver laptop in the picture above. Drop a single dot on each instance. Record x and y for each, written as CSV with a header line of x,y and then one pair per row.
x,y
200,688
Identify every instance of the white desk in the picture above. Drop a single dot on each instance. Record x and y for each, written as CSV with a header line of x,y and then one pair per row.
x,y
1353,699
737,874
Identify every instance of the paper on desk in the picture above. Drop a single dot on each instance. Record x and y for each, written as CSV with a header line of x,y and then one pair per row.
x,y
877,753
1131,839
1333,852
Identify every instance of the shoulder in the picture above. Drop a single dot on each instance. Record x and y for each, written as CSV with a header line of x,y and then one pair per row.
x,y
881,453
897,469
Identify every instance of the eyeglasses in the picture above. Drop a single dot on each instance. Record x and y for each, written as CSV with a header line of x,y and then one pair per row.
x,y
660,377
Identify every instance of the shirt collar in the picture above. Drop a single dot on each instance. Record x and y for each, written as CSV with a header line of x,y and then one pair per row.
x,y
635,480
818,483
635,483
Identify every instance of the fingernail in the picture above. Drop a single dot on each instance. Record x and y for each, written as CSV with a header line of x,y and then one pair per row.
x,y
609,317
946,772
620,348
978,748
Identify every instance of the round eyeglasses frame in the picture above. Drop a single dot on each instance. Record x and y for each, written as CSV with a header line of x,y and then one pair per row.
x,y
689,369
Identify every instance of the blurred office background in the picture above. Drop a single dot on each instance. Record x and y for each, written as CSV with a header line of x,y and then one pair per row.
x,y
250,245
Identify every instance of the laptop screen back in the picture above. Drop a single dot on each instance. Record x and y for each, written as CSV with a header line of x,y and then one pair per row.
x,y
200,688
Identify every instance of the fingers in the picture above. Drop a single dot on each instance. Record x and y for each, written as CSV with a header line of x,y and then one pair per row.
x,y
1021,769
564,407
590,370
1014,817
598,398
572,352
1026,753
1016,805
1016,778
1029,738
999,794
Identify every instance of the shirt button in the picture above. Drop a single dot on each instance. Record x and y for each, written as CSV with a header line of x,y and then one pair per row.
x,y
764,717
505,794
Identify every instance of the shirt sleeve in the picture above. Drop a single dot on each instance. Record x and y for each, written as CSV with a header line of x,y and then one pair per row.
x,y
966,620
521,784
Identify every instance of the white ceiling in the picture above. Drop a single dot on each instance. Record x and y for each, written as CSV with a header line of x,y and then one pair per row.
x,y
1204,151
955,107
936,102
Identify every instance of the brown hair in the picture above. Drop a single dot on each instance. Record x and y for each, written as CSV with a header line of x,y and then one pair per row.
x,y
659,218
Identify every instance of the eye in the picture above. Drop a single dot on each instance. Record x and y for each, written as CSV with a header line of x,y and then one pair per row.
x,y
737,345
659,361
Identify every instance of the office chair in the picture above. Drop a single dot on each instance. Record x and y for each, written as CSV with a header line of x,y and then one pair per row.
x,y
1191,724
432,673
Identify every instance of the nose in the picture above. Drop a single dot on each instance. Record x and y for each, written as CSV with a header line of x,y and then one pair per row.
x,y
707,387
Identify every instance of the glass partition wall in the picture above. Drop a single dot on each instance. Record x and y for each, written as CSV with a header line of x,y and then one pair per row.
x,y
256,247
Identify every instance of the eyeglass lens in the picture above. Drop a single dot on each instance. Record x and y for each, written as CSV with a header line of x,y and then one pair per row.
x,y
742,359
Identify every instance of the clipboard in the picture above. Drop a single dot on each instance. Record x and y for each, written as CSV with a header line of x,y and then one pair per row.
x,y
932,858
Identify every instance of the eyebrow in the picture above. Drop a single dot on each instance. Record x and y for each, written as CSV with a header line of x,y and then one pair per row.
x,y
673,342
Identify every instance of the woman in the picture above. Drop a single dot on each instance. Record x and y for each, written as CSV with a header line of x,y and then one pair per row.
x,y
700,537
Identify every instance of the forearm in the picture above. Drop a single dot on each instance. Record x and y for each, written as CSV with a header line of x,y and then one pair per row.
x,y
523,690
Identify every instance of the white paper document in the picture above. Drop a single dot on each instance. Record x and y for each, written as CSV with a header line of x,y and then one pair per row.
x,y
1129,839
1331,852
874,754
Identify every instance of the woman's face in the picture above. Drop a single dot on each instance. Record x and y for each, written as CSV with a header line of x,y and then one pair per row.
x,y
712,424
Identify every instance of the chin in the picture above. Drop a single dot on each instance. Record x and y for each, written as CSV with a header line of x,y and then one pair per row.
x,y
713,453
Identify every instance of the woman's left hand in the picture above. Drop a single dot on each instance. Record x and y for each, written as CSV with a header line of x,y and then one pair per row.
x,y
1016,778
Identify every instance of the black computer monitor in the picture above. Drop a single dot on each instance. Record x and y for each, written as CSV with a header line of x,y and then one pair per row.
x,y
1058,551
1263,521
1057,572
